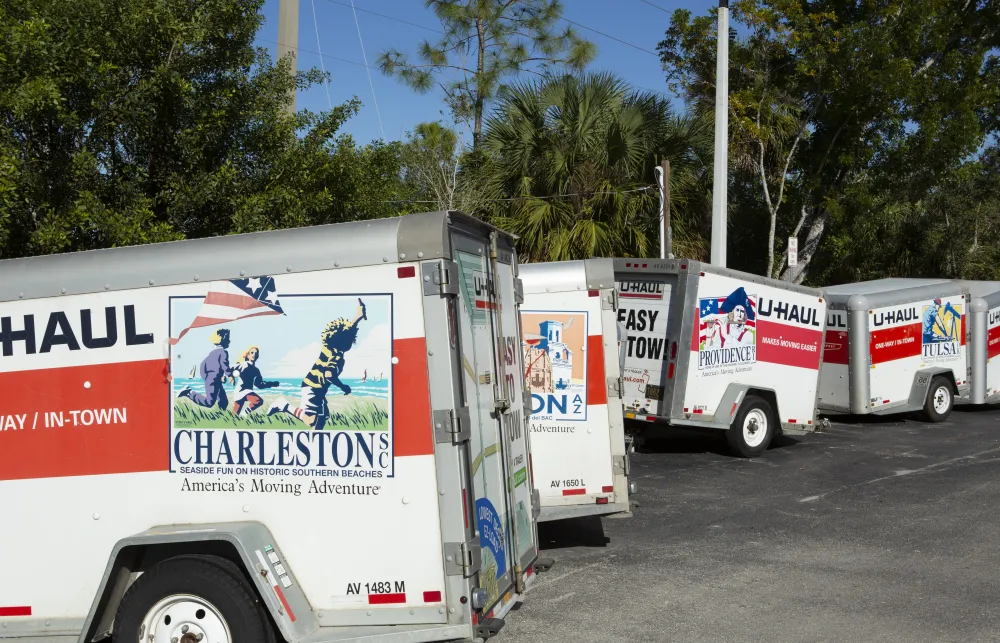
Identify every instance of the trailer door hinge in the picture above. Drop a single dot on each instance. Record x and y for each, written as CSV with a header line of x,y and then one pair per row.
x,y
518,291
452,425
608,301
614,387
526,395
536,504
440,277
621,465
462,559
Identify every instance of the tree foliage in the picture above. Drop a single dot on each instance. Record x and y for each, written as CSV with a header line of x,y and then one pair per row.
x,y
573,158
835,105
486,42
148,120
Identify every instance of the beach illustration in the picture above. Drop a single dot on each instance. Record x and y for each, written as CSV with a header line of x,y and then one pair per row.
x,y
309,362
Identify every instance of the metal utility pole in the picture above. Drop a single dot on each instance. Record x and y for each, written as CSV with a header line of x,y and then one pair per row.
x,y
666,233
288,36
720,182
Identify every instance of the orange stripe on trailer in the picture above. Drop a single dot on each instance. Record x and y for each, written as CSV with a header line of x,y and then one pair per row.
x,y
135,440
597,392
411,398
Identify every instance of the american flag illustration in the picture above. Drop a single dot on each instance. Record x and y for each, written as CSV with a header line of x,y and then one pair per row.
x,y
228,301
713,307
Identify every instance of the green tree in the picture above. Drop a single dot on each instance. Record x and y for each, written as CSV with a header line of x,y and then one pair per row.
x,y
574,157
148,120
431,165
486,42
826,95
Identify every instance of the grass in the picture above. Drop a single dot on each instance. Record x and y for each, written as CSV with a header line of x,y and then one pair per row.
x,y
368,415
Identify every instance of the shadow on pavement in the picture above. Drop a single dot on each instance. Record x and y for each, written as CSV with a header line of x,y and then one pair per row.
x,y
671,439
573,532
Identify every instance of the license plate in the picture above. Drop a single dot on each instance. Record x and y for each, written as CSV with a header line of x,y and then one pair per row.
x,y
654,392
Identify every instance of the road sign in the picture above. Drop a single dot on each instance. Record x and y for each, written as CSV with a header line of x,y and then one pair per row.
x,y
793,252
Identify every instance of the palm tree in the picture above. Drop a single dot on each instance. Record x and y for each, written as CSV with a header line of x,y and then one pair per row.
x,y
574,157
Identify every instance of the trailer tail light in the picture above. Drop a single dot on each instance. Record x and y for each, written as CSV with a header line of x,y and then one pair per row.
x,y
405,272
608,489
791,421
574,492
593,293
699,411
651,418
530,571
602,501
432,597
732,411
670,371
673,350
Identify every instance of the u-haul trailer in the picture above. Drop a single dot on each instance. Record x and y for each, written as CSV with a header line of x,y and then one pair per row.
x,y
895,346
717,348
571,356
983,298
321,428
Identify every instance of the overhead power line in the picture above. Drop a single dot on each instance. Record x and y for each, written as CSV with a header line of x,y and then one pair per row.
x,y
326,84
645,188
655,5
315,53
368,69
382,15
601,33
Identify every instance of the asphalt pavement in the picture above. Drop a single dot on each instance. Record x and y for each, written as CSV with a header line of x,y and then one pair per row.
x,y
869,530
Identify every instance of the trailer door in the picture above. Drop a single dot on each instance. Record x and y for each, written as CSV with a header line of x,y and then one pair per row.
x,y
480,360
644,309
514,417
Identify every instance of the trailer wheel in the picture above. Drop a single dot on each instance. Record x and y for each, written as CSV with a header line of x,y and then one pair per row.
x,y
187,600
940,400
750,433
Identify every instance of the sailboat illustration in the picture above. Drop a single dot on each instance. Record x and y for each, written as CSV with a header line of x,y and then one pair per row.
x,y
364,377
379,378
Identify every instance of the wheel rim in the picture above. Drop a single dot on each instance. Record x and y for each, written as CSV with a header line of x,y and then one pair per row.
x,y
184,618
942,399
754,428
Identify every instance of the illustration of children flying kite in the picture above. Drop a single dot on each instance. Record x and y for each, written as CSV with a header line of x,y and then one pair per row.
x,y
249,380
214,370
336,339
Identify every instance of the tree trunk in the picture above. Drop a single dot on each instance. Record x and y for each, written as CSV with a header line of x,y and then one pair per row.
x,y
811,245
477,129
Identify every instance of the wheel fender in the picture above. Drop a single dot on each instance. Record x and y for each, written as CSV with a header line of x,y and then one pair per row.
x,y
243,543
922,384
734,397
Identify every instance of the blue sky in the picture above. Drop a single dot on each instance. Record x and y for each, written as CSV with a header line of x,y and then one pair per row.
x,y
633,21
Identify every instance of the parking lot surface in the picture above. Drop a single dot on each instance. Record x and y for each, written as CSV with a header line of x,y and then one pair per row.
x,y
871,530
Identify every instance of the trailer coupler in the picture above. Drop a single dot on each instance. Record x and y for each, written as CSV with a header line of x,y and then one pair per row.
x,y
489,628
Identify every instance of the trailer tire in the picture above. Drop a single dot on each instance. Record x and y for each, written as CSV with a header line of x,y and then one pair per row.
x,y
940,400
751,431
183,598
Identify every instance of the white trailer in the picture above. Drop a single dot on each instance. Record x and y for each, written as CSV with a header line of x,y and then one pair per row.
x,y
983,299
304,435
895,346
571,356
717,348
